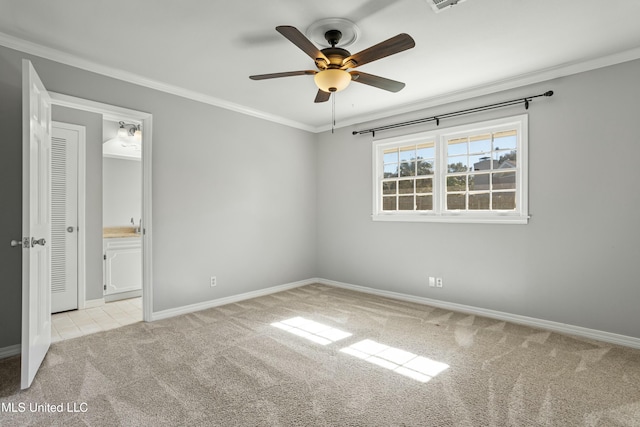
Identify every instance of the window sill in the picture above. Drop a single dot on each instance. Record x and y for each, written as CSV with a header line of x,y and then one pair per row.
x,y
459,219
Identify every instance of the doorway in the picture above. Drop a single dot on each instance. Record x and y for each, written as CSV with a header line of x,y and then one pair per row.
x,y
114,301
122,209
37,105
114,113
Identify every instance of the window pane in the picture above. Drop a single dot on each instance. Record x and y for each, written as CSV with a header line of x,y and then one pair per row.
x,y
505,140
504,200
406,186
456,183
425,167
424,203
389,203
480,163
407,153
457,146
458,164
424,185
408,169
389,187
504,181
391,171
391,156
479,201
479,182
426,151
480,144
504,159
455,201
405,203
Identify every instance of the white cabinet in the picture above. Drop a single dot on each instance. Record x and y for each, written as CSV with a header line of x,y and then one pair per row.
x,y
123,265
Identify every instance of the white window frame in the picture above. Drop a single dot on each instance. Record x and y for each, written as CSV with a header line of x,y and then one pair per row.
x,y
439,213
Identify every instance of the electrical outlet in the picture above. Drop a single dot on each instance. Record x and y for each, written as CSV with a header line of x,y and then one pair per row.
x,y
432,281
213,281
438,282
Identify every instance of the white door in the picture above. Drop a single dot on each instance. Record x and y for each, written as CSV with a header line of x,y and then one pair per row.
x,y
36,223
65,141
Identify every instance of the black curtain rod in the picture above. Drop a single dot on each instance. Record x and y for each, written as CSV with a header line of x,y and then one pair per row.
x,y
437,118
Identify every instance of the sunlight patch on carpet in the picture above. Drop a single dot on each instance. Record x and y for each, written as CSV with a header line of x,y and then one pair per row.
x,y
403,362
313,331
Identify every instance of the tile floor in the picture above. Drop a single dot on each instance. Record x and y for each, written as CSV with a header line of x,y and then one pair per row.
x,y
71,324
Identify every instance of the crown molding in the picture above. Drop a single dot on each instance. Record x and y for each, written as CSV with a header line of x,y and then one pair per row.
x,y
446,98
540,76
78,62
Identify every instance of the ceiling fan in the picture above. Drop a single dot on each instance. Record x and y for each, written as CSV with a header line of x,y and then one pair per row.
x,y
333,62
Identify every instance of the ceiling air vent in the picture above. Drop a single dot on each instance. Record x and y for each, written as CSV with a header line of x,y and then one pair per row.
x,y
439,5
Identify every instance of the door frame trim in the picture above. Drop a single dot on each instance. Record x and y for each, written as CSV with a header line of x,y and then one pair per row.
x,y
81,178
112,112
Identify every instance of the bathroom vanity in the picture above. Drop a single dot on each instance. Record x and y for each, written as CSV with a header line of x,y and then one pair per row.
x,y
122,261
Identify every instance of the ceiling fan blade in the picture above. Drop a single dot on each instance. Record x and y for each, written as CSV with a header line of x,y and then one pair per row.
x,y
322,96
376,81
300,40
285,74
388,47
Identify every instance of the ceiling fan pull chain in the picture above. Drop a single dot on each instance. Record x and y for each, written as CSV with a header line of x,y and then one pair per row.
x,y
333,112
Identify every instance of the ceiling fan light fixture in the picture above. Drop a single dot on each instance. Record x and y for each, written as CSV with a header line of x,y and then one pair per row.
x,y
332,80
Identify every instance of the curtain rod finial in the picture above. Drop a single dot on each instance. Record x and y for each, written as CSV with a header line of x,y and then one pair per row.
x,y
548,93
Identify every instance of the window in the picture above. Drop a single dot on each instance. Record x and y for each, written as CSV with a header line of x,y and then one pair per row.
x,y
471,173
407,184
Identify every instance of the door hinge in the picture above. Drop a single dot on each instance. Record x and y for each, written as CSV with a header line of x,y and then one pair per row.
x,y
105,287
104,257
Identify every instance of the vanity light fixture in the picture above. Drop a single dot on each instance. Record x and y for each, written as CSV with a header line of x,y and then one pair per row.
x,y
129,129
127,142
122,132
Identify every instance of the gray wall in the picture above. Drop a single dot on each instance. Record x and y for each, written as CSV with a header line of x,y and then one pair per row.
x,y
233,196
93,199
122,192
10,200
258,204
576,262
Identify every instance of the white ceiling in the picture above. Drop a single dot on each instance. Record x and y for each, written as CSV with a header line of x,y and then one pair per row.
x,y
206,49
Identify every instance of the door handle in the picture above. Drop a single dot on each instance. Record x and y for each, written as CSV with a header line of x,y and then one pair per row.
x,y
37,242
16,243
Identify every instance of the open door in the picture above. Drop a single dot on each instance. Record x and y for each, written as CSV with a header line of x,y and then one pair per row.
x,y
36,223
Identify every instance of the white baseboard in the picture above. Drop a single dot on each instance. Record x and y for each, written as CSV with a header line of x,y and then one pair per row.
x,y
164,314
499,315
12,350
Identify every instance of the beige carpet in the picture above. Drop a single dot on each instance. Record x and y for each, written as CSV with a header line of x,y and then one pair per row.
x,y
321,356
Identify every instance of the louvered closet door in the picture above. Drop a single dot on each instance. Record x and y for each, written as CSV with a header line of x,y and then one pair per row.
x,y
64,218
